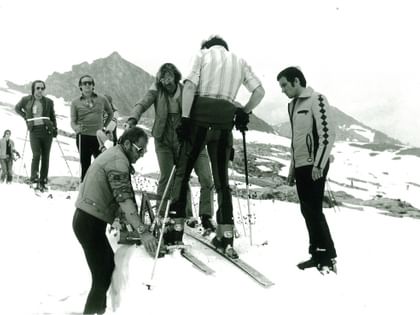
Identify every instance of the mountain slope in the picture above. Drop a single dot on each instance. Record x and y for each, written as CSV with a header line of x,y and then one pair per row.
x,y
113,75
348,129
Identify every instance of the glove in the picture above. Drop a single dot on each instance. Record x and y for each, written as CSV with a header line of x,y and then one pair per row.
x,y
131,122
241,120
183,130
17,154
54,132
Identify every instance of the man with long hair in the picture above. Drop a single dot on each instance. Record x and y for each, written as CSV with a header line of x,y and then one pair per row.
x,y
38,112
166,96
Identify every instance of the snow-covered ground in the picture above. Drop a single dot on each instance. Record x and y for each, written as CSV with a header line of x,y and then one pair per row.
x,y
44,269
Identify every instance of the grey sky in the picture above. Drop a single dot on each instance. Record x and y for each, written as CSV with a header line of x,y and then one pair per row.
x,y
363,55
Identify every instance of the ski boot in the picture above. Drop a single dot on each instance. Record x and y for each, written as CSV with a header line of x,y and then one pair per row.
x,y
327,265
310,263
209,226
223,241
174,231
192,222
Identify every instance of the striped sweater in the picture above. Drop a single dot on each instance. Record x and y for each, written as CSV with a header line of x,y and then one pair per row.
x,y
313,129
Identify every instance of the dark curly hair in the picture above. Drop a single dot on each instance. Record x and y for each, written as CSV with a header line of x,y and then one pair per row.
x,y
213,41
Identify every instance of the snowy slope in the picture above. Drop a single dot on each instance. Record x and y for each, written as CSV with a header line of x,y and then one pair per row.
x,y
44,271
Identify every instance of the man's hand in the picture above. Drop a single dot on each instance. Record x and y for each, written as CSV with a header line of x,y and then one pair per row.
x,y
317,173
241,120
54,132
183,130
149,242
290,181
131,122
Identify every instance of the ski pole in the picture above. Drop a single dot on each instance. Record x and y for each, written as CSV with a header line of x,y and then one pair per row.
x,y
23,154
165,192
64,158
247,186
239,202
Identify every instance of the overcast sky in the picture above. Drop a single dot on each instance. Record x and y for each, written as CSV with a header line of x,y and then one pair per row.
x,y
363,55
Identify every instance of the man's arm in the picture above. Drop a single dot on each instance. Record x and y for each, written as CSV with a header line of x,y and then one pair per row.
x,y
255,99
188,94
109,112
142,106
123,193
19,109
326,133
74,117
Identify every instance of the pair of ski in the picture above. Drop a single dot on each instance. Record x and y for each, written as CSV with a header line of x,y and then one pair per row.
x,y
242,265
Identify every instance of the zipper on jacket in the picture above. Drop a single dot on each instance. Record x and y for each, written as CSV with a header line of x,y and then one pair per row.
x,y
291,126
309,147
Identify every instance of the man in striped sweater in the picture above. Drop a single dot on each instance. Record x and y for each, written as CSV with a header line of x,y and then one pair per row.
x,y
313,135
208,113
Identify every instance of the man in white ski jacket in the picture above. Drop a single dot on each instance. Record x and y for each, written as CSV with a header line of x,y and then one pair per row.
x,y
313,135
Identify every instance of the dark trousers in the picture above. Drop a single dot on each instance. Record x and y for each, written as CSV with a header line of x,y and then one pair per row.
x,y
219,143
6,170
90,232
311,194
88,147
41,146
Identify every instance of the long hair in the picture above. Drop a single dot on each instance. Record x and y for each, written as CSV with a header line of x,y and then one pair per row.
x,y
214,41
167,68
6,131
33,85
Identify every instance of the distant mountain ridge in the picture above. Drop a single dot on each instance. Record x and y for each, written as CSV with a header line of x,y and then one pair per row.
x,y
348,129
117,77
127,83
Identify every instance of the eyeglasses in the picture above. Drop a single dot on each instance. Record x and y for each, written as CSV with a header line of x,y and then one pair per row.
x,y
39,88
87,83
139,150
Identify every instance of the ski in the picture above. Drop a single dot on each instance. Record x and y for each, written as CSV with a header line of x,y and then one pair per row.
x,y
196,262
249,270
129,238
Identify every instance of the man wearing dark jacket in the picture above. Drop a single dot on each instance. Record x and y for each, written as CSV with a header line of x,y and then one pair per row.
x,y
38,112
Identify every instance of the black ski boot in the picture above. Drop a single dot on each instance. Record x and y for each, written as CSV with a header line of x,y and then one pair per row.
x,y
173,232
327,265
208,224
223,241
310,263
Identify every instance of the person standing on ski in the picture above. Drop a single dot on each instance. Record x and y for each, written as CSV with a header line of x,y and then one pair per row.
x,y
208,113
38,112
7,156
313,135
166,96
105,192
87,117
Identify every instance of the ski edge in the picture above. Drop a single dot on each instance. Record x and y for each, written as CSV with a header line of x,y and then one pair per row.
x,y
245,267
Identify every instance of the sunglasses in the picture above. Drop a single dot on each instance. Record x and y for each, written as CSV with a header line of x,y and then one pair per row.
x,y
87,83
38,88
139,150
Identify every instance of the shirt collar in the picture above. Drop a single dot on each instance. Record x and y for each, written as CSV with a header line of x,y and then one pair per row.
x,y
307,92
82,97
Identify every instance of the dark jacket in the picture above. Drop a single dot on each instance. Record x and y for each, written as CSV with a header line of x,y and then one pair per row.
x,y
24,109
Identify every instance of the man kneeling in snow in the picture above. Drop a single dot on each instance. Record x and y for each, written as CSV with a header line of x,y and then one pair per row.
x,y
105,188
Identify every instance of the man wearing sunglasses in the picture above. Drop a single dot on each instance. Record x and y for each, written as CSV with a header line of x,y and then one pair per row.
x,y
166,96
106,189
87,117
38,112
